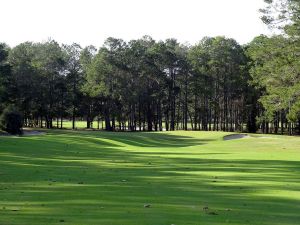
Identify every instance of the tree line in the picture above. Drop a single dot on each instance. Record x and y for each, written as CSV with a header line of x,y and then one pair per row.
x,y
147,85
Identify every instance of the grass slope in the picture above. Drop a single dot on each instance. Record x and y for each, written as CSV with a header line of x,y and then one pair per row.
x,y
99,178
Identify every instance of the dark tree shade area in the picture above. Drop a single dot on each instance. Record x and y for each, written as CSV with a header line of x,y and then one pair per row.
x,y
148,85
11,121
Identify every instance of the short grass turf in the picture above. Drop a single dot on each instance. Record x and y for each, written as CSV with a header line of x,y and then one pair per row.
x,y
78,124
182,178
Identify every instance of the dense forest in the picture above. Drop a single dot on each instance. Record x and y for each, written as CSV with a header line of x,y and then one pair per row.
x,y
149,85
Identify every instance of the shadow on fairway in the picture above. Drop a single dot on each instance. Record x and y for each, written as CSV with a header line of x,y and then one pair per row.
x,y
140,139
93,179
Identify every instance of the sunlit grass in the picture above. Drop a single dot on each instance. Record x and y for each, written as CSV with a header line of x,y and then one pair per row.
x,y
100,178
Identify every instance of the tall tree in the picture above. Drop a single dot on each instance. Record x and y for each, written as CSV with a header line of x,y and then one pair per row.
x,y
91,106
49,63
75,77
5,75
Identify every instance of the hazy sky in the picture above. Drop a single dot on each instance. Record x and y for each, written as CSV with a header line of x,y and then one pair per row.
x,y
92,21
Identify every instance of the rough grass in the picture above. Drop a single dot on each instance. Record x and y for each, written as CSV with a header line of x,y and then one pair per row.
x,y
99,178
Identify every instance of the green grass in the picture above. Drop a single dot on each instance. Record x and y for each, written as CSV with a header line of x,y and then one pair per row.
x,y
99,178
78,124
67,124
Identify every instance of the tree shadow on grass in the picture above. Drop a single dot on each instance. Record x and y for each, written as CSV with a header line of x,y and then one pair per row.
x,y
93,183
161,140
136,139
176,194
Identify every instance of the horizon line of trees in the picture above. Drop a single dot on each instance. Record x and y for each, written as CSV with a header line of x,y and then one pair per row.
x,y
151,85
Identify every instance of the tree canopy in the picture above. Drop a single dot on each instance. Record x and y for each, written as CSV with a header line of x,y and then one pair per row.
x,y
147,85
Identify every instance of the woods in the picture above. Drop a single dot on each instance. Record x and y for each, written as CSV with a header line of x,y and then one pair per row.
x,y
149,85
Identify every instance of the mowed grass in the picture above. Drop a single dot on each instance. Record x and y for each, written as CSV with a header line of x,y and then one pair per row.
x,y
78,124
81,124
99,178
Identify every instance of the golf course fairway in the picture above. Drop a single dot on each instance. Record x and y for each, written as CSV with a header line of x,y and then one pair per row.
x,y
165,178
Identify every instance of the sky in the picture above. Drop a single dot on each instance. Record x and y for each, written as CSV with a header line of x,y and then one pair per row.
x,y
90,22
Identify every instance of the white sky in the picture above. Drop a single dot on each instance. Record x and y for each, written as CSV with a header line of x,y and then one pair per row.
x,y
92,21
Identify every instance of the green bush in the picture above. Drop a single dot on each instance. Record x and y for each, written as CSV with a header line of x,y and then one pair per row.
x,y
11,121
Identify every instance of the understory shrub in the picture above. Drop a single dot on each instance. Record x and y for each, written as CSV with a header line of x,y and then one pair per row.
x,y
11,121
